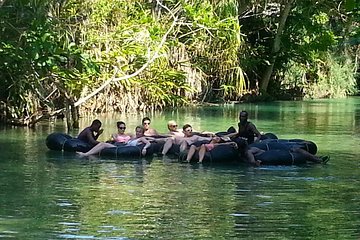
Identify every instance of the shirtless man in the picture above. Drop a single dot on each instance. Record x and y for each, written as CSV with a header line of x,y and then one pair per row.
x,y
175,136
91,134
184,139
133,141
148,130
190,138
173,131
247,130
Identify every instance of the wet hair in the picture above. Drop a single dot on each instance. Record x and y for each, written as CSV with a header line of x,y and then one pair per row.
x,y
140,127
244,114
186,126
145,119
96,122
120,123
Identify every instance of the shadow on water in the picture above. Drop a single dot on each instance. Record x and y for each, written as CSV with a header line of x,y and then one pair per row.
x,y
63,157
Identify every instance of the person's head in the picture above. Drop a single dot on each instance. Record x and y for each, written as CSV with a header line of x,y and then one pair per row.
x,y
146,122
243,117
187,130
121,126
139,131
95,125
172,125
216,139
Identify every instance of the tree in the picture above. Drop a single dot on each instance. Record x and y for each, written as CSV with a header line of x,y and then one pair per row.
x,y
284,14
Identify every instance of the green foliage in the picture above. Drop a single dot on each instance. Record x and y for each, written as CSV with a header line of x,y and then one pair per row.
x,y
127,38
165,88
39,60
313,29
331,77
52,52
214,42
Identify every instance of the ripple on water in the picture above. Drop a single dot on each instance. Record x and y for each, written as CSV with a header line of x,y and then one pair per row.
x,y
72,236
69,223
118,212
240,214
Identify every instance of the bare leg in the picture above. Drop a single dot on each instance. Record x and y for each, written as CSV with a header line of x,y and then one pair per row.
x,y
250,155
308,155
168,144
191,153
183,146
96,149
202,152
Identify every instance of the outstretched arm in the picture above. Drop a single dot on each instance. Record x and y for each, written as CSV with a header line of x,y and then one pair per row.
x,y
255,131
147,145
230,135
227,143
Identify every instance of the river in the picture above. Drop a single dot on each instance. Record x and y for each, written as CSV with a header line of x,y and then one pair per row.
x,y
47,195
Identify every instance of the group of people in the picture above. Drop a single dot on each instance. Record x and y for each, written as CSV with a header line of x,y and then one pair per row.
x,y
187,139
91,134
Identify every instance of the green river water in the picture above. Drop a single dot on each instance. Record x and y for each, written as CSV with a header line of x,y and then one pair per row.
x,y
47,195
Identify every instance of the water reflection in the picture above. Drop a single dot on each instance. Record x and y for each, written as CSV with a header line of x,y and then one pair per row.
x,y
47,195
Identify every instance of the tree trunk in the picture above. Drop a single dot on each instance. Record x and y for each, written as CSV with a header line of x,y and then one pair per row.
x,y
3,112
68,118
74,115
276,46
156,9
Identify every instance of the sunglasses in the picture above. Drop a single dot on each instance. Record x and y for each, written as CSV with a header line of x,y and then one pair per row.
x,y
173,125
122,128
188,130
146,123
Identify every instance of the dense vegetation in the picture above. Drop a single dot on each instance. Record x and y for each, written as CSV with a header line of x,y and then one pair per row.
x,y
111,55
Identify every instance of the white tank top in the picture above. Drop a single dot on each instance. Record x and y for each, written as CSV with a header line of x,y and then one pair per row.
x,y
132,142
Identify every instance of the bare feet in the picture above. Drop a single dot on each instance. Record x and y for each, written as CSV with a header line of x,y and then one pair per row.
x,y
81,154
256,163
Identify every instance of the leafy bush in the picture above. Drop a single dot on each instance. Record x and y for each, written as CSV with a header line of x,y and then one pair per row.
x,y
330,77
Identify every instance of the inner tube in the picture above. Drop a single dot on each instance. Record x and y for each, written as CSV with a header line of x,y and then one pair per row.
x,y
65,142
55,141
220,154
281,157
283,144
76,145
268,136
264,136
123,151
230,130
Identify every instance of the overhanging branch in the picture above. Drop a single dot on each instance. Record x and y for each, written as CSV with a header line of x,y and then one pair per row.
x,y
151,60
